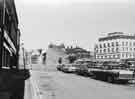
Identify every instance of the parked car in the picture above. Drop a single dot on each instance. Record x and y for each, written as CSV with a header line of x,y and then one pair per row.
x,y
68,68
83,70
60,66
113,73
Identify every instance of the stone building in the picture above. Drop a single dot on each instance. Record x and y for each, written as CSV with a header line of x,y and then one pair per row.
x,y
115,47
78,52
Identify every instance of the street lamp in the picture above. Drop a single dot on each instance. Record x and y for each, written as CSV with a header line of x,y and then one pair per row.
x,y
24,58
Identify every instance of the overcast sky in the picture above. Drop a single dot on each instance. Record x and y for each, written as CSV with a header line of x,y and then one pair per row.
x,y
77,22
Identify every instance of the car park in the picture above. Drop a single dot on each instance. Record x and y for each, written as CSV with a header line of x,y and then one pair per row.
x,y
83,66
113,73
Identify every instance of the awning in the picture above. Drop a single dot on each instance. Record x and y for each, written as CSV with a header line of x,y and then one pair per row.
x,y
9,41
6,46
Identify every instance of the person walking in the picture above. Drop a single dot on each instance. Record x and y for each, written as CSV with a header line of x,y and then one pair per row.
x,y
60,60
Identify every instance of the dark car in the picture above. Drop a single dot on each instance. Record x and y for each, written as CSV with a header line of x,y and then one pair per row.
x,y
60,67
83,70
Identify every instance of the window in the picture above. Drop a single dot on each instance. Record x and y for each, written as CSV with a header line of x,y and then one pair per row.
x,y
126,54
100,45
101,57
104,50
123,55
127,48
100,51
104,45
123,48
134,54
117,44
112,49
117,49
130,55
112,43
108,44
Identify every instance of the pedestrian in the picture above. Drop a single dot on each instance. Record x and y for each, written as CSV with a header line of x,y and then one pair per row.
x,y
60,60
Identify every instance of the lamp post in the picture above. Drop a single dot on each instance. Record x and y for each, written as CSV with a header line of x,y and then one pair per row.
x,y
24,58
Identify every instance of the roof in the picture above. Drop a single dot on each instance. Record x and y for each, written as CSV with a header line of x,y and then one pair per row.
x,y
121,36
76,50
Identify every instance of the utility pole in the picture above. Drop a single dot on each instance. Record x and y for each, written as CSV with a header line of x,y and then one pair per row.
x,y
24,58
2,35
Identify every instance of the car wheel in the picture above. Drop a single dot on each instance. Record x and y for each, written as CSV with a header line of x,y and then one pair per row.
x,y
110,79
125,81
93,76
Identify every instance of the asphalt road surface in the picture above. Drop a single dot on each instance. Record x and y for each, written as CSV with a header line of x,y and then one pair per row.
x,y
54,84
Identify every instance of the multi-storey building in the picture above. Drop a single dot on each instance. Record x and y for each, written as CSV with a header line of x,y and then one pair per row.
x,y
115,47
9,34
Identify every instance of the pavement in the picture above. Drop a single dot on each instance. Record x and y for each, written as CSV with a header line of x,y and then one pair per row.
x,y
53,84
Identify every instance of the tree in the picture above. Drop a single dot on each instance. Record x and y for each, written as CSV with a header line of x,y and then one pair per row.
x,y
60,60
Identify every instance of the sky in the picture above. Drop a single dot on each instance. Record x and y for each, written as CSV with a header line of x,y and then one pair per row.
x,y
72,22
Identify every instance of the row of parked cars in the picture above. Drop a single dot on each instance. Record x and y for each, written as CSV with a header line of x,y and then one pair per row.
x,y
110,72
77,68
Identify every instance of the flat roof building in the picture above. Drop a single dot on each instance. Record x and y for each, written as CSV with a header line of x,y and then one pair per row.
x,y
115,47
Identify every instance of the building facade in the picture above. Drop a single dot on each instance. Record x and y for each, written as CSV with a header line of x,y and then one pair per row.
x,y
78,52
115,47
9,34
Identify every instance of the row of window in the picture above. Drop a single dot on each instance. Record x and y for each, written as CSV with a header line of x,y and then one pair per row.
x,y
128,49
124,55
128,43
108,50
107,56
104,45
113,44
128,55
114,50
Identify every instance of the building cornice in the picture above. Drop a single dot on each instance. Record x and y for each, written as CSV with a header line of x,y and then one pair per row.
x,y
116,37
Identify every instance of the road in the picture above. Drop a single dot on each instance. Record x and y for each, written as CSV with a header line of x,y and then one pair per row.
x,y
54,84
